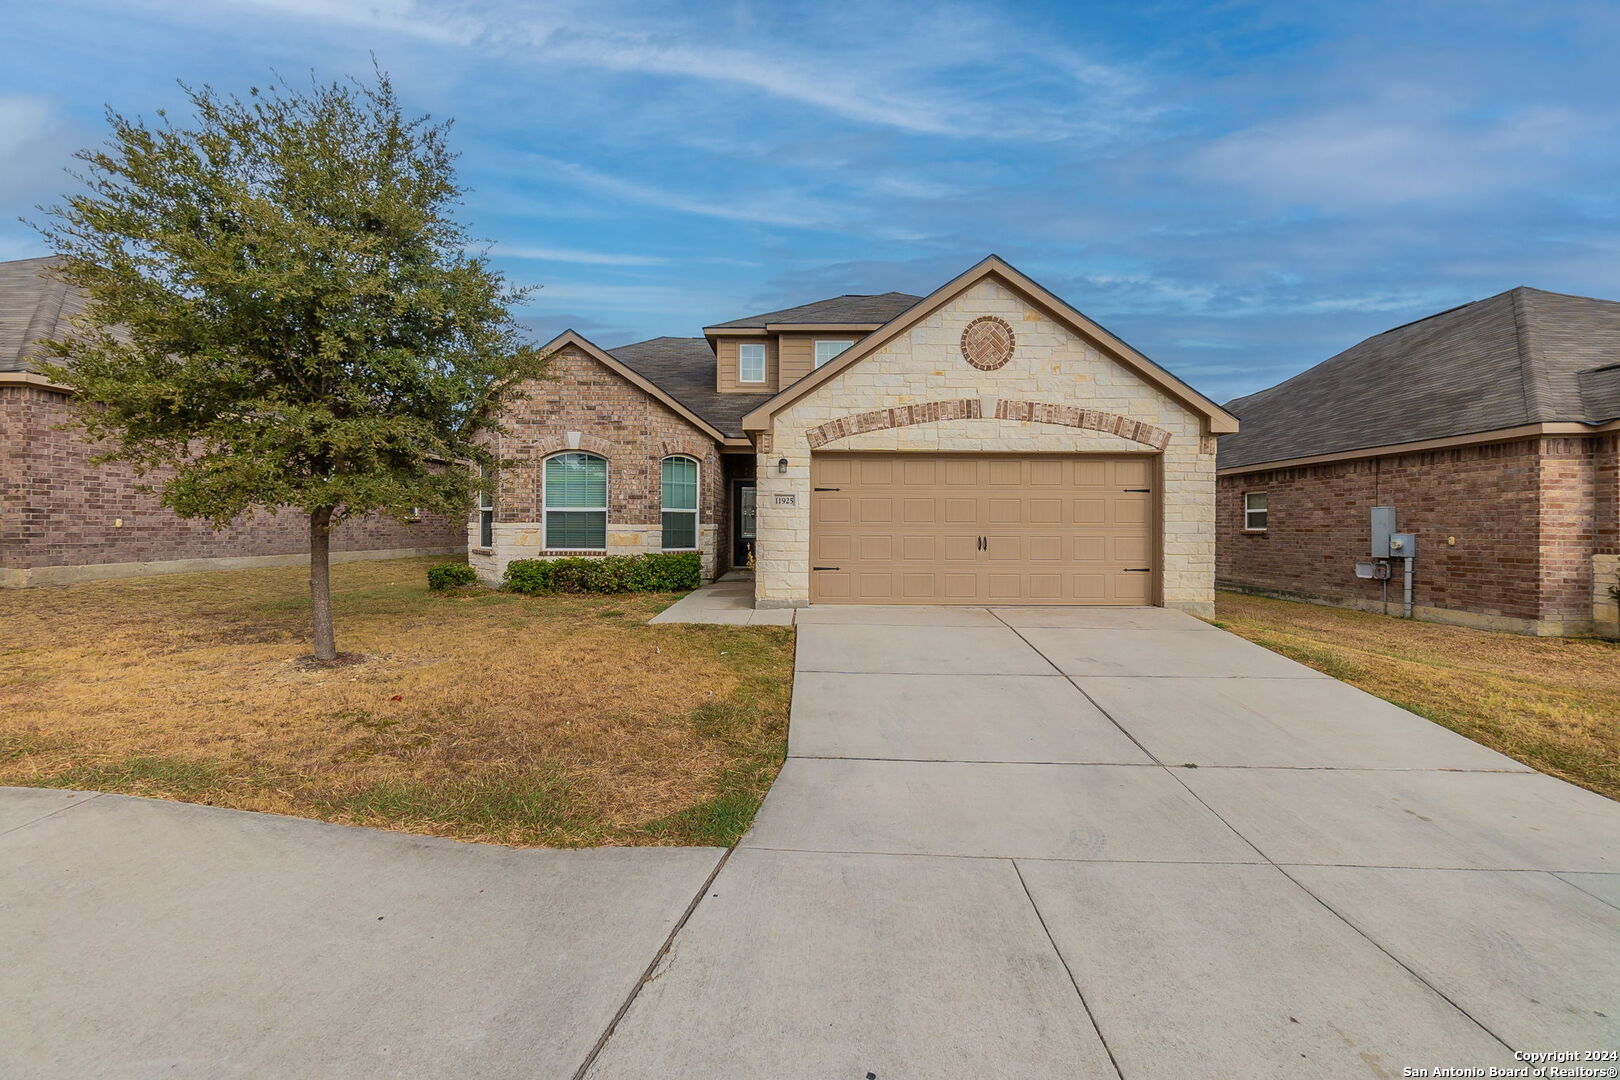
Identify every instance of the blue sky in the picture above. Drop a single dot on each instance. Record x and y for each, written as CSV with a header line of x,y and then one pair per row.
x,y
1240,190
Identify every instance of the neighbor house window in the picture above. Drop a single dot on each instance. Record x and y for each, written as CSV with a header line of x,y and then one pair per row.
x,y
750,363
826,350
1254,511
486,515
576,502
680,503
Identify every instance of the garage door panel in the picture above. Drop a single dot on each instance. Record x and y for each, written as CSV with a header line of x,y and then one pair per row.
x,y
833,471
830,547
875,510
1001,549
1047,473
965,529
1130,510
914,548
831,586
1045,589
1090,473
1090,549
1005,473
834,509
874,471
875,547
1044,511
1046,549
1132,472
1089,588
919,511
1089,511
1130,588
1004,511
1129,549
919,473
874,587
920,588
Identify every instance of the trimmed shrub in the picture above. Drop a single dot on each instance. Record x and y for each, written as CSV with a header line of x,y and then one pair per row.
x,y
451,575
664,571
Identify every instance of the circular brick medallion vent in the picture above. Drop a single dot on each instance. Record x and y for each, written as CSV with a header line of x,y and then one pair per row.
x,y
987,343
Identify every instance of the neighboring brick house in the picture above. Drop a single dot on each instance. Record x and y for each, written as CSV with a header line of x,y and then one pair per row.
x,y
65,518
986,443
1493,428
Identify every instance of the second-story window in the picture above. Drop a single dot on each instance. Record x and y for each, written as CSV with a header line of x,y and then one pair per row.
x,y
826,350
751,363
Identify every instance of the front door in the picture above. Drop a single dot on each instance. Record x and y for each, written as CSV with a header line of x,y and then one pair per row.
x,y
742,524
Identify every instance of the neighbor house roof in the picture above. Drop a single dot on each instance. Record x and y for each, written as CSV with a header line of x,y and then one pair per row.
x,y
851,309
684,369
33,304
1523,357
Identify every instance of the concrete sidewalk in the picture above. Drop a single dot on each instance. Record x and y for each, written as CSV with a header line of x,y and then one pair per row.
x,y
727,602
1059,843
154,939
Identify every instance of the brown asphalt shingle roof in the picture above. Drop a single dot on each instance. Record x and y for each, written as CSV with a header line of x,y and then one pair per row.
x,y
684,369
1521,357
849,308
32,306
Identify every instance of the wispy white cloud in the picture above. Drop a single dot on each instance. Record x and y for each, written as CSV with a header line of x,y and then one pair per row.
x,y
575,255
1392,152
860,71
778,208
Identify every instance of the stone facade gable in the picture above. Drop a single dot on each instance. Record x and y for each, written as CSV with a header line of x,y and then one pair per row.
x,y
1058,392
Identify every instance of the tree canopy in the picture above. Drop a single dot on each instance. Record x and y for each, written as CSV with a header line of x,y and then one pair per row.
x,y
284,312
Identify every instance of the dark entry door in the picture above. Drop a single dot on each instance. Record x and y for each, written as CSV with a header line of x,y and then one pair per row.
x,y
742,523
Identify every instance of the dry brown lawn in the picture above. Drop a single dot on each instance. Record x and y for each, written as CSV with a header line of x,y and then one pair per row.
x,y
557,720
1553,703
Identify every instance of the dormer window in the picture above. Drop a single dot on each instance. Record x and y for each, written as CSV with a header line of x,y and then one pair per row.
x,y
826,350
751,363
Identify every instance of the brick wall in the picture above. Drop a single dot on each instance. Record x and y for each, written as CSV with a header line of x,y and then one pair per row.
x,y
585,406
1524,515
59,509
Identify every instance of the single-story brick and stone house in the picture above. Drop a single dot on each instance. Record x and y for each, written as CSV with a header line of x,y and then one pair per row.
x,y
66,518
1493,429
984,444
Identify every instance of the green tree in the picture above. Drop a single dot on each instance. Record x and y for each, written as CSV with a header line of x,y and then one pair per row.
x,y
282,312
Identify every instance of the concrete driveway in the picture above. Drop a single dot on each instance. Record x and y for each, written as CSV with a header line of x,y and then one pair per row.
x,y
1049,843
1033,844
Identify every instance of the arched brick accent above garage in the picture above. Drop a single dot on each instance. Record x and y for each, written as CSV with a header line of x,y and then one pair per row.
x,y
1038,412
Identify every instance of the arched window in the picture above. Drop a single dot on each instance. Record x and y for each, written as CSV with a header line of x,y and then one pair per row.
x,y
576,502
680,502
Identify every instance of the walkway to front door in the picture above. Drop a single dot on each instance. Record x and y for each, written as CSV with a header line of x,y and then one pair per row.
x,y
1090,842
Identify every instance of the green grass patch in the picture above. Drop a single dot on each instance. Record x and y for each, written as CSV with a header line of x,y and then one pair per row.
x,y
534,807
143,776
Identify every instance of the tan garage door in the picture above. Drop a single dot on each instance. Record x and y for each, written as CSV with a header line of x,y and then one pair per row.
x,y
982,529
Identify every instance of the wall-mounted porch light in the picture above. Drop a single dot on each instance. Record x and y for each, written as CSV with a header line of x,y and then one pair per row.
x,y
781,466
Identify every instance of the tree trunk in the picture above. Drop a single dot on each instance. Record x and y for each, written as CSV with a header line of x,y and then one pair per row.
x,y
320,583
